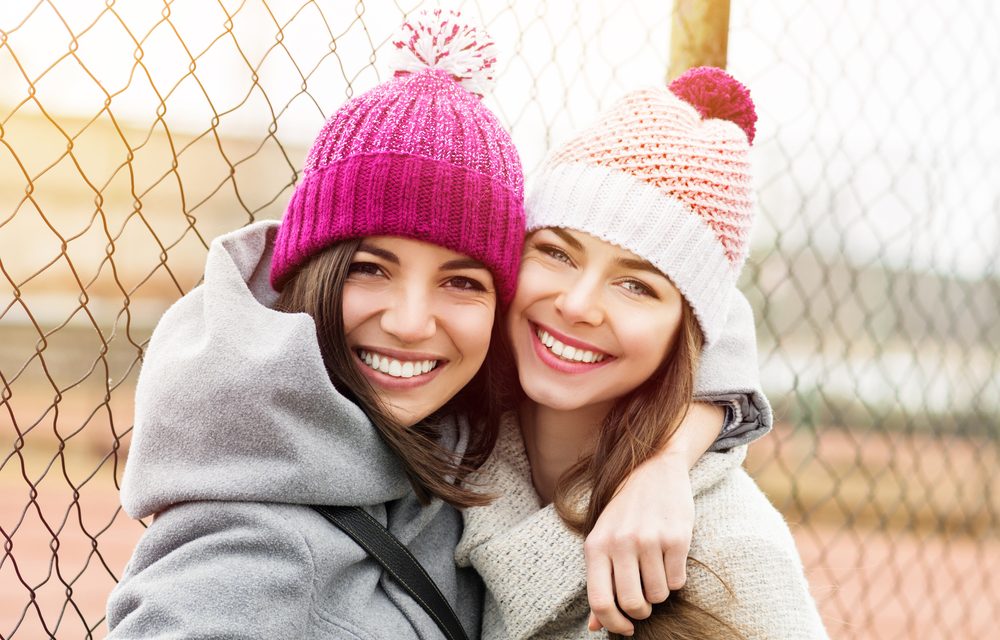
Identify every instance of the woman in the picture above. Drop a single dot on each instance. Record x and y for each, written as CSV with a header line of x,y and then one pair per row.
x,y
638,228
323,361
312,367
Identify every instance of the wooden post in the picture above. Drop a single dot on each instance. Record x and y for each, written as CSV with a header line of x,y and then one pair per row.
x,y
699,35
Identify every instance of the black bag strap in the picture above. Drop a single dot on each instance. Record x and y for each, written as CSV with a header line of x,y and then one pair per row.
x,y
395,558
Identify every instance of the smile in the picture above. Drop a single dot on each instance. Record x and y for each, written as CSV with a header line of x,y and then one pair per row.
x,y
566,352
396,368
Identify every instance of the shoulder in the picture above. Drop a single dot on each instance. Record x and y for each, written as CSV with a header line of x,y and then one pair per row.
x,y
220,532
715,467
729,503
746,567
215,567
756,584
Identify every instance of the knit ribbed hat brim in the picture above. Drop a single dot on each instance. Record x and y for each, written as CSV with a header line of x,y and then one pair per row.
x,y
623,210
398,194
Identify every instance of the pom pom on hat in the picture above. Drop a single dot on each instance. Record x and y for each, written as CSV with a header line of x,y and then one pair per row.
x,y
716,94
444,40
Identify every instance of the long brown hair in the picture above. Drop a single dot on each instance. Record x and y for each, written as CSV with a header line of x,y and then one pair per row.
x,y
631,433
318,290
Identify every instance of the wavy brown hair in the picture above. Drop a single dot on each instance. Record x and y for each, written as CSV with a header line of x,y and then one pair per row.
x,y
318,290
632,432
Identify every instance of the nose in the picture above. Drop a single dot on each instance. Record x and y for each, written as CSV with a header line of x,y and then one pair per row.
x,y
581,302
409,318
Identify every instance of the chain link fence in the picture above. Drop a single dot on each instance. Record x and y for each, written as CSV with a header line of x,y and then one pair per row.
x,y
132,133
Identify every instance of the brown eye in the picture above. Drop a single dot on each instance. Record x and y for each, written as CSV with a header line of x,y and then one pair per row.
x,y
364,269
465,283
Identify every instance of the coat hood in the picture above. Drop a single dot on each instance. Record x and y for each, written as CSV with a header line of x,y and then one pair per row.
x,y
234,403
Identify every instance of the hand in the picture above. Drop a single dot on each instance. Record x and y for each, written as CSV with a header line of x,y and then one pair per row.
x,y
637,551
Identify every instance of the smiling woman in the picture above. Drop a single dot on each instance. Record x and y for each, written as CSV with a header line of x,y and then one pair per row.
x,y
386,308
638,230
624,315
324,362
419,316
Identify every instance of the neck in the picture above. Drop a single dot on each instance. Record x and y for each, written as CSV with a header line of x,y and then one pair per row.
x,y
555,440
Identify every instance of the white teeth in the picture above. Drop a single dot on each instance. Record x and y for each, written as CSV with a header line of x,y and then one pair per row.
x,y
566,352
396,368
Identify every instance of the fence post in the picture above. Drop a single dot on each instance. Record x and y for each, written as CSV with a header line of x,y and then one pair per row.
x,y
699,35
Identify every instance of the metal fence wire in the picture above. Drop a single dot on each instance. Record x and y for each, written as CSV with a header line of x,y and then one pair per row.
x,y
132,133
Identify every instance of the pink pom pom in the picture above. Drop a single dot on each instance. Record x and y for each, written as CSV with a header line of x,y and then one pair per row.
x,y
716,94
444,40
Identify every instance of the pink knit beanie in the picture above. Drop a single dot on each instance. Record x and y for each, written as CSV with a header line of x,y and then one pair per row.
x,y
418,156
666,175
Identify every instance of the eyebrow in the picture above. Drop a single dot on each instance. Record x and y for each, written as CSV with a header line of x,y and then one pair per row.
x,y
627,263
388,256
462,263
451,265
567,238
638,265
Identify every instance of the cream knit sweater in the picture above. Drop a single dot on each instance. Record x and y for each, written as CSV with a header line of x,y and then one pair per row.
x,y
534,571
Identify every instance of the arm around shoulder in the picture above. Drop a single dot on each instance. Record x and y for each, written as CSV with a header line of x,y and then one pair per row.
x,y
215,569
729,374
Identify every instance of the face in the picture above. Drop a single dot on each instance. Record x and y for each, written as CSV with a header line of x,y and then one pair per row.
x,y
590,321
418,319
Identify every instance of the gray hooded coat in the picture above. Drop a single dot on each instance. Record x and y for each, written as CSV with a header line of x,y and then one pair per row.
x,y
237,429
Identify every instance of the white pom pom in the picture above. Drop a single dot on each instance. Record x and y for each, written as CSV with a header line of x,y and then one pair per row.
x,y
444,40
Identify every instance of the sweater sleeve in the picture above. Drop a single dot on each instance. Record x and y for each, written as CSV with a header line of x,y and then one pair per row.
x,y
215,569
728,374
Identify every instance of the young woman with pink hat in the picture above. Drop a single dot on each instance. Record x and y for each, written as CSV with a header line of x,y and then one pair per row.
x,y
638,228
336,359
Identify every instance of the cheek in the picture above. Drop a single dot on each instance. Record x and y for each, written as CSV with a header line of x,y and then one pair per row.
x,y
534,283
649,341
470,329
358,304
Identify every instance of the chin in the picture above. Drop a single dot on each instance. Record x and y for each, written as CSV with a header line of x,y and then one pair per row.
x,y
557,399
406,417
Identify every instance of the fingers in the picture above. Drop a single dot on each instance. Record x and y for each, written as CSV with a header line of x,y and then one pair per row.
x,y
600,591
653,570
628,586
675,563
593,623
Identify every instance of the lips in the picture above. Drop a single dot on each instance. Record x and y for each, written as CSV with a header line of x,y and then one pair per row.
x,y
390,369
565,354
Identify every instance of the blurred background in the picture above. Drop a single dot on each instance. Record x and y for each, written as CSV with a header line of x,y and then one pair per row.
x,y
134,132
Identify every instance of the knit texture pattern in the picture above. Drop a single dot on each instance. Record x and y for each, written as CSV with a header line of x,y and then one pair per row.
x,y
655,177
418,156
535,575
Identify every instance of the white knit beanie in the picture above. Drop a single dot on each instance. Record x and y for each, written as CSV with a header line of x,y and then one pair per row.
x,y
665,174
